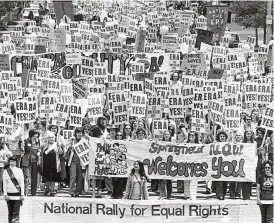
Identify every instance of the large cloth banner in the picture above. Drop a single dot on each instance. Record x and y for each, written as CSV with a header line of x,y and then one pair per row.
x,y
216,161
86,210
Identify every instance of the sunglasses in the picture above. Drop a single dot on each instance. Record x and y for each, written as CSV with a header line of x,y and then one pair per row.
x,y
119,135
267,167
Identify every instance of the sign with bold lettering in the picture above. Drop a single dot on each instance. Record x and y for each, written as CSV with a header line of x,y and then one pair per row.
x,y
232,118
217,18
47,104
76,114
158,128
120,107
22,111
217,111
95,105
61,114
138,105
82,150
45,209
217,161
268,118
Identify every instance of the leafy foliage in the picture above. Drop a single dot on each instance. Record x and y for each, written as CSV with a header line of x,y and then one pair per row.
x,y
250,13
8,6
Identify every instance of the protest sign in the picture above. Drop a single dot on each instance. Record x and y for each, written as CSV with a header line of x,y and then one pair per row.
x,y
34,83
4,62
95,105
268,118
57,39
251,96
22,111
82,150
120,107
169,42
201,22
217,111
176,106
52,85
76,114
217,18
124,210
79,88
47,104
204,36
61,113
217,161
8,124
32,108
140,40
192,63
154,107
264,93
161,80
66,92
2,125
67,135
198,123
215,73
158,128
232,118
73,58
138,105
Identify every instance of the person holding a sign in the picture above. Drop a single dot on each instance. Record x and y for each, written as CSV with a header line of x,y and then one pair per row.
x,y
190,186
234,187
246,187
265,192
136,188
165,186
75,186
221,186
51,151
31,160
260,150
13,185
269,147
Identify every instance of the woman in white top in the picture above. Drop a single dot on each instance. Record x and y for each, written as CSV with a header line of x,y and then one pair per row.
x,y
13,185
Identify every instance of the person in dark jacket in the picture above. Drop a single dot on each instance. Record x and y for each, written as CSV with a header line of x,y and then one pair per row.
x,y
30,160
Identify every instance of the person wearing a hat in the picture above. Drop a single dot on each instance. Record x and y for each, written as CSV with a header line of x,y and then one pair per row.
x,y
13,185
30,160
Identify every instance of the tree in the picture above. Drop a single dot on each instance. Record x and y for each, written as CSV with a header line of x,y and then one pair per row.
x,y
250,14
